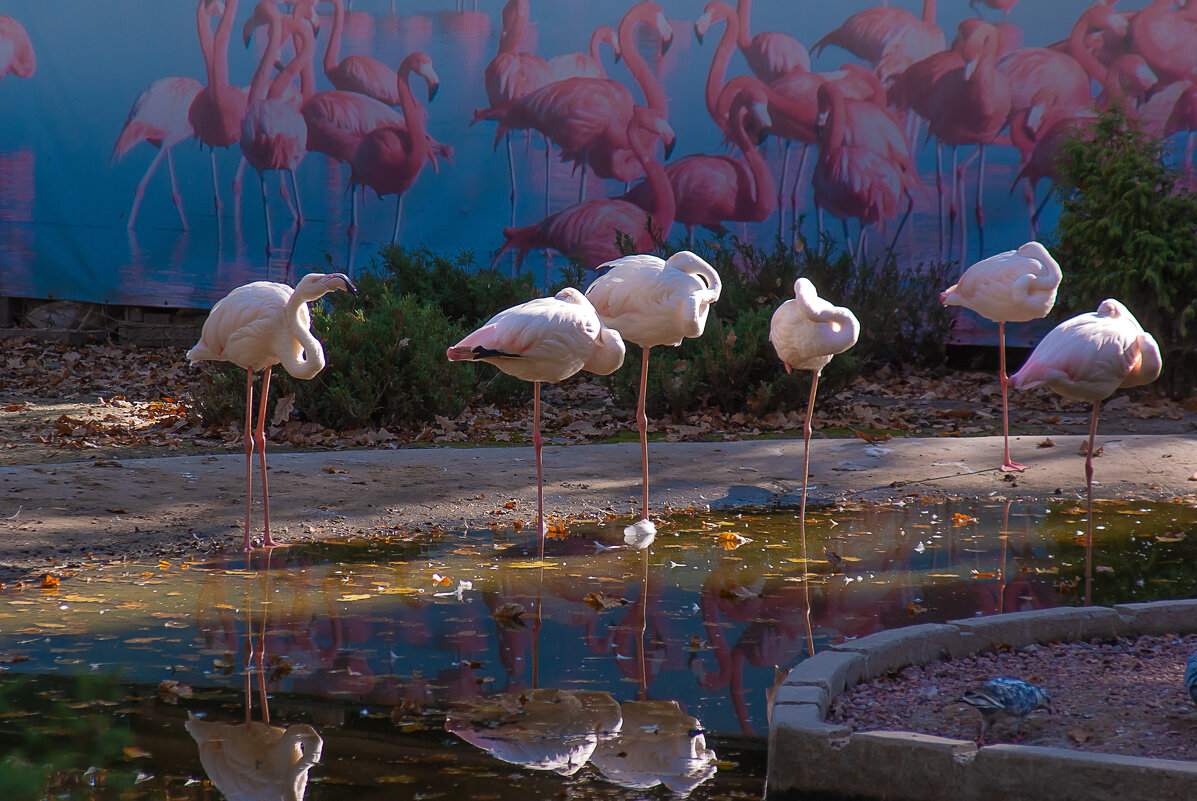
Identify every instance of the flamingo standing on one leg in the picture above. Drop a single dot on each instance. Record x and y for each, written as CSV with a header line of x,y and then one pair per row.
x,y
219,107
653,302
390,159
547,339
158,116
806,332
1087,358
17,56
1011,287
257,326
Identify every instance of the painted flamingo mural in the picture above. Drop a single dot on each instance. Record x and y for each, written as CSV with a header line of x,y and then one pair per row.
x,y
1013,83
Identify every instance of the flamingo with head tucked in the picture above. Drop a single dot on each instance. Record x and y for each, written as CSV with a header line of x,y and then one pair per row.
x,y
1167,39
547,339
1011,287
1088,358
17,56
807,332
389,160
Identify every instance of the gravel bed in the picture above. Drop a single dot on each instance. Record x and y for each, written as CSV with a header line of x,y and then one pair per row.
x,y
1125,697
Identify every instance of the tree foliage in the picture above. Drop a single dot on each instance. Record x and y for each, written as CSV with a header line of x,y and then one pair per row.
x,y
1127,231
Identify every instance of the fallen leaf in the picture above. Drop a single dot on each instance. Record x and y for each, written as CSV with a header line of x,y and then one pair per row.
x,y
1081,735
601,600
49,581
913,608
1046,443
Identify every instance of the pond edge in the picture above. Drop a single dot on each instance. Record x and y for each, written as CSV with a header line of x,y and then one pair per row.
x,y
811,758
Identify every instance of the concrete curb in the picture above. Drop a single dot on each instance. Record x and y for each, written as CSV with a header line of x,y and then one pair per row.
x,y
809,757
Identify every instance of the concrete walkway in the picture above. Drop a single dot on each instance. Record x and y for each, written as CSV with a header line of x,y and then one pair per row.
x,y
168,505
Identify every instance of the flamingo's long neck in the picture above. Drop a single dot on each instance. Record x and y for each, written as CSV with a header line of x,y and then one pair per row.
x,y
203,26
717,74
836,130
218,76
512,36
601,34
300,64
744,14
332,50
929,12
663,206
764,187
654,95
313,352
1083,55
261,79
413,115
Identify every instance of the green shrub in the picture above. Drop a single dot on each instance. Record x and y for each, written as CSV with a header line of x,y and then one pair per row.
x,y
1126,231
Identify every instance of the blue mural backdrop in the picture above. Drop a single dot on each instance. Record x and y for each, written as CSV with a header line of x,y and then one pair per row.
x,y
832,110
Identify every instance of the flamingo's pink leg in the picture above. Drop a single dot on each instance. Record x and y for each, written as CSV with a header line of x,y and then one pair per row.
x,y
249,449
642,424
139,192
1007,465
174,188
536,444
806,432
260,438
1089,507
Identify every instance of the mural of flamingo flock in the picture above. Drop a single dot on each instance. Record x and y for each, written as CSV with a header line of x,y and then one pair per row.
x,y
903,118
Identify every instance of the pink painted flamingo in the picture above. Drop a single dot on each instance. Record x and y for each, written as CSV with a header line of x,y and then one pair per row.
x,y
1001,5
888,37
1087,358
1011,287
588,117
652,302
158,116
1038,131
17,56
274,135
1098,37
1029,69
770,54
390,159
513,73
712,189
588,64
586,231
852,180
218,108
807,332
257,326
965,101
356,73
1166,39
547,339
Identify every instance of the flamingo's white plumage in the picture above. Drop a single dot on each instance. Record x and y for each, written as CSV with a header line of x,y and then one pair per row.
x,y
257,326
806,332
651,301
1011,287
546,339
1087,358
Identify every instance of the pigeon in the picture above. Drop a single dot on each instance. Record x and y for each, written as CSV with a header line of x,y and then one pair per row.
x,y
1191,676
1005,699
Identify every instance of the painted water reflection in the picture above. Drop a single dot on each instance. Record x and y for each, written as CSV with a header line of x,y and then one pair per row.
x,y
388,639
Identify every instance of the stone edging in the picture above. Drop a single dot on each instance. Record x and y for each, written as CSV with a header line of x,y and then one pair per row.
x,y
809,757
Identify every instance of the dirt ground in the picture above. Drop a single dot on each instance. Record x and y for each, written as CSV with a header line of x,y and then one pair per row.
x,y
81,428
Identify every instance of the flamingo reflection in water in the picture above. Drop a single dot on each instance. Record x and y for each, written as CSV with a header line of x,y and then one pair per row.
x,y
254,760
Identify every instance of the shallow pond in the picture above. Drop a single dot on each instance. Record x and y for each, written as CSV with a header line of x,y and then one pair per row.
x,y
410,655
